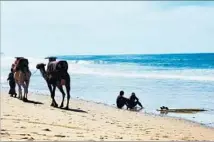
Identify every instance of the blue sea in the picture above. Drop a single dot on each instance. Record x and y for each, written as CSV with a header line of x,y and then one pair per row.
x,y
172,80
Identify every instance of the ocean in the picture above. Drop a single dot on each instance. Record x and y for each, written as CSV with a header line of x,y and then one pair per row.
x,y
172,80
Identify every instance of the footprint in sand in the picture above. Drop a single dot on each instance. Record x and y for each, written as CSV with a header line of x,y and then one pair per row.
x,y
7,115
81,136
62,136
119,138
185,138
6,133
26,138
39,134
46,129
24,134
147,132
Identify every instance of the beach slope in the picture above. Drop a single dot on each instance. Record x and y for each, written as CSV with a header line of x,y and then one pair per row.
x,y
89,121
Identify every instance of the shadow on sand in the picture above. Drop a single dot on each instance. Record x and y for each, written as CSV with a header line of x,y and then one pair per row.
x,y
74,110
136,109
32,102
37,102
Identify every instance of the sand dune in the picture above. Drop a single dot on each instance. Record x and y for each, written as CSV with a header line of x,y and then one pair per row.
x,y
89,121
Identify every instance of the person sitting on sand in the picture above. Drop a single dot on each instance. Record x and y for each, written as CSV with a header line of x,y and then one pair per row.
x,y
121,100
133,101
12,83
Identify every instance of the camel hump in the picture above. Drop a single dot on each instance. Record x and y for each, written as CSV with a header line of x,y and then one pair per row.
x,y
21,63
56,66
62,66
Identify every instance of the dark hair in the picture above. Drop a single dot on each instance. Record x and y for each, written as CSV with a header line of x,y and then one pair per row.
x,y
121,92
11,69
133,94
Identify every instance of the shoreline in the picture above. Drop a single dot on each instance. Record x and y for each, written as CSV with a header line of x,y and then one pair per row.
x,y
100,122
142,112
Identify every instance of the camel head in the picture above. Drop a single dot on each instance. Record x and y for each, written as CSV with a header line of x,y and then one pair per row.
x,y
40,66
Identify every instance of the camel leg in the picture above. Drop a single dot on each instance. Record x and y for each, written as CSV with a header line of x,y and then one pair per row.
x,y
20,91
68,94
53,96
26,88
50,89
27,82
25,92
23,96
63,95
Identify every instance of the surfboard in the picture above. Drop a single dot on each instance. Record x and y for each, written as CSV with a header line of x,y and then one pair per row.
x,y
187,110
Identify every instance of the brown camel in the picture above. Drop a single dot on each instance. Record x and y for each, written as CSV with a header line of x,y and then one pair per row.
x,y
22,76
56,76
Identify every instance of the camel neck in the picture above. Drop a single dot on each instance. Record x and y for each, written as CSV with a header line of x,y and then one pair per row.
x,y
44,74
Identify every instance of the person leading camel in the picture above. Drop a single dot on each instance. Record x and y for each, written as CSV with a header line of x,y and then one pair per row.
x,y
12,83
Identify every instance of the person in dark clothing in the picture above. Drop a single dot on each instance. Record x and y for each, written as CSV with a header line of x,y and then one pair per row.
x,y
12,84
134,101
121,100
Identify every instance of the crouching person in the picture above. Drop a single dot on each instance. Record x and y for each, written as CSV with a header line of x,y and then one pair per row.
x,y
133,102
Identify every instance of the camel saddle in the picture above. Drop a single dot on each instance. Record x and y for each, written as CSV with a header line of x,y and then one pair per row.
x,y
21,63
57,66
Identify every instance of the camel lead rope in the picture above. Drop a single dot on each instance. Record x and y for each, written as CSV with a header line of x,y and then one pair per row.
x,y
34,72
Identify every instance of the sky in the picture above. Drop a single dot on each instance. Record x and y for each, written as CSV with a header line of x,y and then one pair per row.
x,y
44,28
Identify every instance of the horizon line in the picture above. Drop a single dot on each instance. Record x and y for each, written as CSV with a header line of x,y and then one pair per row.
x,y
132,54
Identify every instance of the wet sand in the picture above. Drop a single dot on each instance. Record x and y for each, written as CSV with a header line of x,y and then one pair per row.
x,y
89,121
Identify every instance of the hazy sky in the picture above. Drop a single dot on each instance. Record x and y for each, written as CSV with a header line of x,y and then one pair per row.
x,y
37,28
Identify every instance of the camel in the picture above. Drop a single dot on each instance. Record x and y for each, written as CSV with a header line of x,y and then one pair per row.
x,y
22,76
56,76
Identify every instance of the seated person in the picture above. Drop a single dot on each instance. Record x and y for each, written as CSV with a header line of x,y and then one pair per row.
x,y
133,101
121,100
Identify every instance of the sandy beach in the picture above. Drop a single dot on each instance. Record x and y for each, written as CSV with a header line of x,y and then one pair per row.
x,y
89,121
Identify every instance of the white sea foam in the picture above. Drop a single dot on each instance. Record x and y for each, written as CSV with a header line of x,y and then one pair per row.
x,y
86,67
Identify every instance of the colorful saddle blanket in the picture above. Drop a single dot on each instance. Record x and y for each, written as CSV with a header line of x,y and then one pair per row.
x,y
57,66
21,64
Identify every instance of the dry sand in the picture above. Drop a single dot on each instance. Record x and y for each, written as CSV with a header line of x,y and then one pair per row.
x,y
28,121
